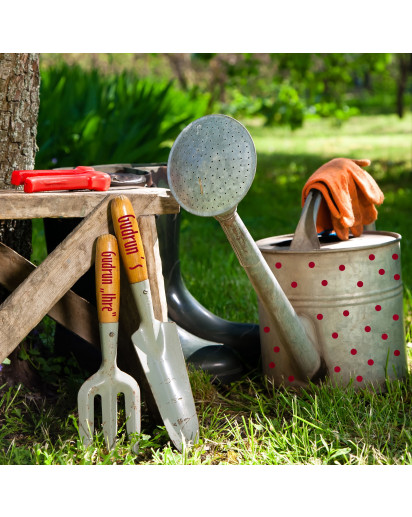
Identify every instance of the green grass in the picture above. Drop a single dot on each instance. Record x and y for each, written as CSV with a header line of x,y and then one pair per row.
x,y
247,423
250,422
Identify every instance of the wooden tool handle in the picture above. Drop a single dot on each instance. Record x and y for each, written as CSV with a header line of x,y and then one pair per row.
x,y
107,267
129,238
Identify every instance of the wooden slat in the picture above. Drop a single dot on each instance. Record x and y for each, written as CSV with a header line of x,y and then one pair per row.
x,y
147,225
72,311
21,205
43,288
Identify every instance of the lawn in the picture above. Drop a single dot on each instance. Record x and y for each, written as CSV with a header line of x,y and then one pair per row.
x,y
250,422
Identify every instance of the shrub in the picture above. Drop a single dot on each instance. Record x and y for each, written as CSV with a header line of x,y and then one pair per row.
x,y
88,118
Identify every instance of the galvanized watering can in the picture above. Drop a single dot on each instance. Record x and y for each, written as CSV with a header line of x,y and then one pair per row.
x,y
349,296
329,308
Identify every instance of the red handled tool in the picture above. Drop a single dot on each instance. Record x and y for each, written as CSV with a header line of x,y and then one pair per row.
x,y
81,177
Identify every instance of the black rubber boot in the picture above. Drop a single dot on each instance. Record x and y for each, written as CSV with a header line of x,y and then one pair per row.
x,y
219,361
241,339
216,359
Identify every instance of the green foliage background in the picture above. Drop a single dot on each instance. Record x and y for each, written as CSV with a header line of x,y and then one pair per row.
x,y
110,108
89,118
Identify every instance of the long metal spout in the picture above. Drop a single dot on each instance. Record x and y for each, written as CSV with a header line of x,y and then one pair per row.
x,y
271,295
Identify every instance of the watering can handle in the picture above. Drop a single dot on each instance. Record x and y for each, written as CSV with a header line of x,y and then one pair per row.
x,y
306,235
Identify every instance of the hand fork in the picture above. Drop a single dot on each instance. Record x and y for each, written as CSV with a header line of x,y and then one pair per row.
x,y
109,380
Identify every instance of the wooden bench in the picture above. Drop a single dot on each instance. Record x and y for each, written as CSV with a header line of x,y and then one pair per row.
x,y
37,291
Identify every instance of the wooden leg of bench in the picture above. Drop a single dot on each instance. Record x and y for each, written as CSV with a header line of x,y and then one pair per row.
x,y
35,296
147,225
72,311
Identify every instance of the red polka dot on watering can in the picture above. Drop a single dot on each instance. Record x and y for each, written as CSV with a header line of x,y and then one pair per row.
x,y
337,369
353,351
276,349
342,267
335,335
381,271
370,362
324,282
395,256
397,352
311,265
359,378
384,336
291,378
367,328
360,283
371,256
294,285
378,308
319,316
397,277
395,317
266,329
278,265
272,364
346,313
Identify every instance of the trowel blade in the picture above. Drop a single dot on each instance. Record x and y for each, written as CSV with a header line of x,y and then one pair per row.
x,y
165,368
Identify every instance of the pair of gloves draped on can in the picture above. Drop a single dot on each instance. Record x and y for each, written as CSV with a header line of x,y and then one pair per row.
x,y
349,196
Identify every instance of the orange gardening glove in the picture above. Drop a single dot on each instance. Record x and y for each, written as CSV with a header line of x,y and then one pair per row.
x,y
349,195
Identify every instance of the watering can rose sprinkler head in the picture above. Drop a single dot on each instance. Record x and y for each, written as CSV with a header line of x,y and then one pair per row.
x,y
210,169
211,166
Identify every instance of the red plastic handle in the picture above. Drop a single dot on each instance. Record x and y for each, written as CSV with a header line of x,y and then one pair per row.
x,y
19,177
90,181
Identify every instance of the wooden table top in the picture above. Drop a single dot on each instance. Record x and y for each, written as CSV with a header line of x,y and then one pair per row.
x,y
17,204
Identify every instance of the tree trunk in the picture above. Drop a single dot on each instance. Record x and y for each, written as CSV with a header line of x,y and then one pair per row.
x,y
19,107
177,63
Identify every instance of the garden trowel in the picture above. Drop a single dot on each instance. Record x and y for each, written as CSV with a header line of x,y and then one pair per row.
x,y
156,343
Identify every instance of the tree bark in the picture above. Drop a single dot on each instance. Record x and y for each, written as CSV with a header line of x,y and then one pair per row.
x,y
177,62
19,107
